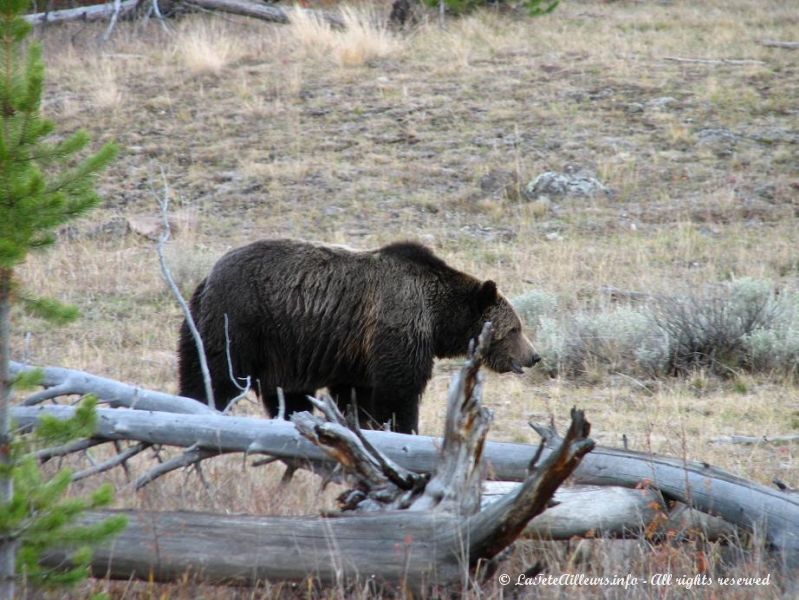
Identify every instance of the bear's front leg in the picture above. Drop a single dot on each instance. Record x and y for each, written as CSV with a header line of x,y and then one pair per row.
x,y
295,402
399,407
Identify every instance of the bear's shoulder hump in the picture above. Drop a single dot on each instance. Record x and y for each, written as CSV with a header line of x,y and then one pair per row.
x,y
414,252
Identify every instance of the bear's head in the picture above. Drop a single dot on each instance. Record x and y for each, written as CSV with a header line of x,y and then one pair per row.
x,y
510,350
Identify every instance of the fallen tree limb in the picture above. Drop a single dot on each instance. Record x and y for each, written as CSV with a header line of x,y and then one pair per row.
x,y
95,12
750,440
58,381
612,512
439,544
780,44
715,61
744,503
265,12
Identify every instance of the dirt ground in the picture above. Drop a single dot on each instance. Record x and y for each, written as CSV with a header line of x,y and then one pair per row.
x,y
253,130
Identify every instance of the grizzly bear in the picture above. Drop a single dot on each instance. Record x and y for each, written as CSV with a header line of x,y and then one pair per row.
x,y
365,324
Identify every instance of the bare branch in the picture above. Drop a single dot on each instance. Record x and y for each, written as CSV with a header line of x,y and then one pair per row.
x,y
64,382
163,202
193,456
70,448
113,21
117,460
780,44
82,13
714,61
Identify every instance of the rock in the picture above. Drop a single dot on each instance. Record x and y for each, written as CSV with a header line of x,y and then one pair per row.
x,y
722,141
113,228
150,226
575,183
499,183
663,103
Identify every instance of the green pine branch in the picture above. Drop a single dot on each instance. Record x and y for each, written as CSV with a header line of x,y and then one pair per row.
x,y
43,184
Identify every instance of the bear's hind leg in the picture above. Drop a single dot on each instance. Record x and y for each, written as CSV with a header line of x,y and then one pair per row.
x,y
295,402
399,409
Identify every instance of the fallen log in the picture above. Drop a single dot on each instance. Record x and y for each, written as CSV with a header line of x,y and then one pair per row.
x,y
743,503
738,501
58,381
439,543
96,12
613,512
265,12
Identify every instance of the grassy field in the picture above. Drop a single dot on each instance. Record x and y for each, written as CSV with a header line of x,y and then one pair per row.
x,y
365,136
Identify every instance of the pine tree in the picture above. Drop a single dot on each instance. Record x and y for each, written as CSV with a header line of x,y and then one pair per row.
x,y
43,184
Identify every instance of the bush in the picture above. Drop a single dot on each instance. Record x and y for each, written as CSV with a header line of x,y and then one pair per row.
x,y
741,325
535,8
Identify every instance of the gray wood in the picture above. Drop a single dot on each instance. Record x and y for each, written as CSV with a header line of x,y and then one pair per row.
x,y
95,12
610,511
265,12
744,503
58,381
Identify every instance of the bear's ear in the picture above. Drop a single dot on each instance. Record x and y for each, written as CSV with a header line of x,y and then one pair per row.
x,y
487,295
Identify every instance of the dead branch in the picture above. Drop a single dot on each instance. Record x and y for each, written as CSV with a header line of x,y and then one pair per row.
x,y
163,202
715,61
193,456
496,527
95,12
46,454
754,440
455,487
744,503
66,382
265,12
612,512
435,545
779,44
120,459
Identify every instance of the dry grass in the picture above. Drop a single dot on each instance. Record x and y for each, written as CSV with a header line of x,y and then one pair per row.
x,y
268,131
364,38
206,46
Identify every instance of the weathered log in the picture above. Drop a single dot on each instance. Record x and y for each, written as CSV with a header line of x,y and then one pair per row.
x,y
743,503
612,512
416,548
95,12
58,381
265,12
413,548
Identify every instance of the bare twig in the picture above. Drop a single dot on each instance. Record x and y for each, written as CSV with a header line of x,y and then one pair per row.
x,y
113,21
715,61
749,440
117,460
66,382
192,456
243,389
82,13
158,15
163,202
780,44
46,454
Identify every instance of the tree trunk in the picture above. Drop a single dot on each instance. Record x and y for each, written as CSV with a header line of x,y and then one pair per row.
x,y
713,491
7,545
438,539
612,512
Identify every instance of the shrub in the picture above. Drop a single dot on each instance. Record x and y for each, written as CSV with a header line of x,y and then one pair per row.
x,y
741,325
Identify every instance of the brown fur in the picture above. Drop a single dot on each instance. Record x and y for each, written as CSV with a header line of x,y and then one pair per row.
x,y
304,316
